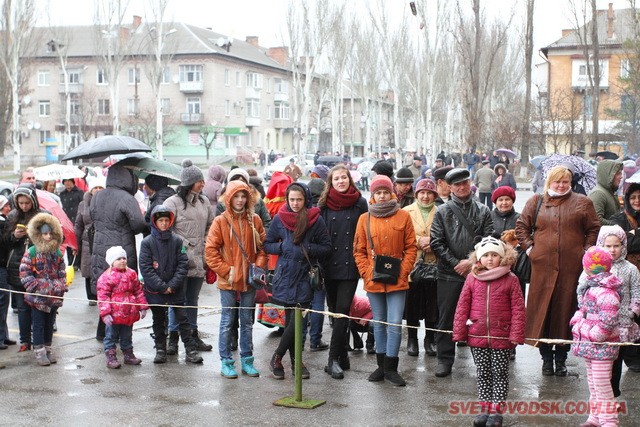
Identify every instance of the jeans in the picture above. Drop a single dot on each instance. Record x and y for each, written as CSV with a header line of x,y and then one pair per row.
x,y
339,297
122,332
472,170
485,199
387,307
43,326
316,320
247,302
192,287
24,319
5,296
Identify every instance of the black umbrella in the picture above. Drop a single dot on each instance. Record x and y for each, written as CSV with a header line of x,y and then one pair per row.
x,y
607,155
330,161
106,146
143,167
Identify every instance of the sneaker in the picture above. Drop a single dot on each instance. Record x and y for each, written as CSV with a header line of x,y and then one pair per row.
x,y
319,346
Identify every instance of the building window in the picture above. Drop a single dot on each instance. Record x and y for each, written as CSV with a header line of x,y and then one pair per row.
x,y
44,77
586,106
101,77
74,101
280,86
193,105
628,105
44,108
253,108
231,141
134,76
238,79
254,80
281,111
103,107
165,106
625,66
227,107
190,73
166,76
268,112
74,76
45,136
226,77
133,106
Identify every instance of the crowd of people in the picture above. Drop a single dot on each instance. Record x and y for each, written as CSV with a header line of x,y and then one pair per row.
x,y
425,246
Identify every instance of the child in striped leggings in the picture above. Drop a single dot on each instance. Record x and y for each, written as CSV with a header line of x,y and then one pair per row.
x,y
596,322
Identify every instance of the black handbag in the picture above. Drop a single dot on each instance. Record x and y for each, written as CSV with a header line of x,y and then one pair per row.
x,y
386,269
315,274
423,273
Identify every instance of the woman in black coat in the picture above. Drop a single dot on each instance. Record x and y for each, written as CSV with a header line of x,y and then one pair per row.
x,y
504,216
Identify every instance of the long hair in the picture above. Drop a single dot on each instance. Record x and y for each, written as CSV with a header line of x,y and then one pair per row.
x,y
302,217
183,192
322,201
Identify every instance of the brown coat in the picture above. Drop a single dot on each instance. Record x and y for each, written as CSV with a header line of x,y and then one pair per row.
x,y
222,252
392,236
566,226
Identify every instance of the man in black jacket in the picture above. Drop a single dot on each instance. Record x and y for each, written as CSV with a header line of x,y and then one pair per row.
x,y
452,240
71,197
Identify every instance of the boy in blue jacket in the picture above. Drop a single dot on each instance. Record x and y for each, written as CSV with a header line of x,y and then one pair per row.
x,y
163,264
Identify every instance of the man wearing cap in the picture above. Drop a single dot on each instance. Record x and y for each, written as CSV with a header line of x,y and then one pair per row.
x,y
484,180
293,170
403,187
416,166
603,196
444,190
457,225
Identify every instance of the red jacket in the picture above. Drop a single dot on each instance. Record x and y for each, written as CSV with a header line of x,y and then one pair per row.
x,y
494,308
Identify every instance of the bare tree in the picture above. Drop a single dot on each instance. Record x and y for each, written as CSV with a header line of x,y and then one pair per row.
x,y
528,69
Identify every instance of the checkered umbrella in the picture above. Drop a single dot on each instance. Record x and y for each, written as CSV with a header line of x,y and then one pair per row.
x,y
585,172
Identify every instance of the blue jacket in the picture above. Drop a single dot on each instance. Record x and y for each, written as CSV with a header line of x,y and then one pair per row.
x,y
290,283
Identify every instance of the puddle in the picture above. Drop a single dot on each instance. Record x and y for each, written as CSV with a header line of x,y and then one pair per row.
x,y
91,381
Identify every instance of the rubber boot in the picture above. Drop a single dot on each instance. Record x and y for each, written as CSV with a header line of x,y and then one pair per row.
x,y
112,360
378,374
130,358
391,371
227,370
248,368
41,355
277,370
192,355
200,345
161,352
172,347
50,354
333,368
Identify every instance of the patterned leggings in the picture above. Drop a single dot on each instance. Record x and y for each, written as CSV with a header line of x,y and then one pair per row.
x,y
492,366
602,404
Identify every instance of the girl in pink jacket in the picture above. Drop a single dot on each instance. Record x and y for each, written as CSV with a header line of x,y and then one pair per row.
x,y
490,317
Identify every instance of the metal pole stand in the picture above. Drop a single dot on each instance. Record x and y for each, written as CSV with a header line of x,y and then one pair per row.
x,y
296,401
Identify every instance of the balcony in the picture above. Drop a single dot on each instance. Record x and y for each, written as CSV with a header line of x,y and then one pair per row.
x,y
192,87
281,97
252,121
252,93
73,88
281,123
192,119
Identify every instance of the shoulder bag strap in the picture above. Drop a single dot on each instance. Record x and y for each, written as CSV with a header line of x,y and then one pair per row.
x,y
306,255
458,213
535,215
238,240
369,233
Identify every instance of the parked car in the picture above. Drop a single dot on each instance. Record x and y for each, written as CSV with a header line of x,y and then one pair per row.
x,y
6,188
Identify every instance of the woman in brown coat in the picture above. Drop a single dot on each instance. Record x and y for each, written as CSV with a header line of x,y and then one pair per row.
x,y
565,226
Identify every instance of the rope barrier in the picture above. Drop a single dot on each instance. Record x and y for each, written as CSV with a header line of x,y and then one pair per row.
x,y
218,310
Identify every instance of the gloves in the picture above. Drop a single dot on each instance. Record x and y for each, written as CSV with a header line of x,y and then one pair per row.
x,y
108,320
143,313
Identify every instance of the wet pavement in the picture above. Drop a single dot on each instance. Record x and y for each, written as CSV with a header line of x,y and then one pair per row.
x,y
80,390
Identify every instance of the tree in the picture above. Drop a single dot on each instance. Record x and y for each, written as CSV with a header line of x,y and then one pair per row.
x,y
206,142
528,69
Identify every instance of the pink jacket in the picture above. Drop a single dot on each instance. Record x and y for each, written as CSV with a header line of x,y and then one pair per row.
x,y
493,307
116,286
360,307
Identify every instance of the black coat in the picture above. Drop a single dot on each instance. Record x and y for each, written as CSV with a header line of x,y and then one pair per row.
x,y
70,201
503,221
339,264
170,271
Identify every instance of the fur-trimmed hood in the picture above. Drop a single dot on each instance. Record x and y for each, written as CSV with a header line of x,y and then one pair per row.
x,y
33,230
509,259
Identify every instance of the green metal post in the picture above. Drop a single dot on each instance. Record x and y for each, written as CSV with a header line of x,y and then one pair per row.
x,y
298,354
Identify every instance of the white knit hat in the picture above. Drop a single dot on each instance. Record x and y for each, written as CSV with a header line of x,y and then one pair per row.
x,y
113,253
489,244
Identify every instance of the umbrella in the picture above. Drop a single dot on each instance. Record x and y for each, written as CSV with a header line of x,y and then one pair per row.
x,y
105,146
54,208
634,179
607,155
581,167
56,171
365,168
507,152
330,161
145,166
537,160
355,175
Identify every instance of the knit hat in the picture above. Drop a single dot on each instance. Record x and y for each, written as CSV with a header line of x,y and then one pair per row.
x,y
381,182
113,253
3,201
503,191
596,260
404,176
45,228
426,185
382,167
190,174
236,173
321,170
440,173
156,182
98,181
489,244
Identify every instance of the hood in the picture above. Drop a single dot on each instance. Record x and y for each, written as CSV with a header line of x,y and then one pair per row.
x,y
28,191
232,188
217,173
308,198
627,205
162,208
122,178
613,230
509,259
607,169
500,165
36,236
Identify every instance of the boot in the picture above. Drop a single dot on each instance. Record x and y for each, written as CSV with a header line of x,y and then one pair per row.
x,y
130,358
192,355
378,374
357,340
248,368
412,347
333,368
50,355
481,419
344,362
371,343
172,347
227,370
41,355
561,369
429,348
161,355
494,420
112,360
391,371
277,370
201,345
547,368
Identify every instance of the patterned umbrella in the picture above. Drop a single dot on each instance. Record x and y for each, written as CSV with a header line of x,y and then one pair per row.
x,y
586,172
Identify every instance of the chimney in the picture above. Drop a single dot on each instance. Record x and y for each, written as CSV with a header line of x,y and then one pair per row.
x,y
279,54
610,18
137,20
566,32
253,41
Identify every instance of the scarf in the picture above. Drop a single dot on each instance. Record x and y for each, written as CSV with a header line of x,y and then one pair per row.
x,y
556,194
289,218
337,201
384,209
493,274
425,210
401,194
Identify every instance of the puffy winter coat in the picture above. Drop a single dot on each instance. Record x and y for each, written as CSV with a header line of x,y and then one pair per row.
x,y
70,201
222,251
494,308
507,178
42,270
118,286
213,185
81,227
603,196
157,199
596,319
163,264
259,207
504,221
117,219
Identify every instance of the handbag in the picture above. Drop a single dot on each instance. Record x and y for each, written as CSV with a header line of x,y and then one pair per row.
x,y
316,280
386,269
210,276
422,273
257,275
